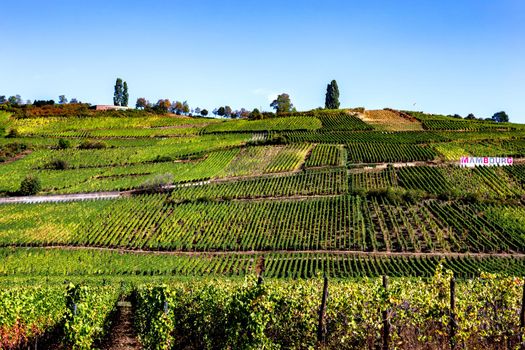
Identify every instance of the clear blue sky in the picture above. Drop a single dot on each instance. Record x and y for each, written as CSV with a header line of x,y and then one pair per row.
x,y
448,56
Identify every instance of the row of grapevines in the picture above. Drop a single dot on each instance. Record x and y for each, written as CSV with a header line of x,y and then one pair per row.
x,y
326,155
400,137
483,235
481,135
517,172
332,181
120,156
92,263
49,125
382,152
289,159
88,311
81,313
118,177
226,314
341,120
464,125
308,265
122,133
271,124
266,159
371,180
485,182
429,179
349,222
27,313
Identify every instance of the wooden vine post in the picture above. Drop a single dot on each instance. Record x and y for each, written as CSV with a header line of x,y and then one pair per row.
x,y
522,316
452,325
321,327
384,316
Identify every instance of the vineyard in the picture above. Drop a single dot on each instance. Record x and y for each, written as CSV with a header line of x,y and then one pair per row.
x,y
170,222
217,234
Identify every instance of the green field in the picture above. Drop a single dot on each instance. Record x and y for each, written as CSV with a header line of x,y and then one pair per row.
x,y
206,206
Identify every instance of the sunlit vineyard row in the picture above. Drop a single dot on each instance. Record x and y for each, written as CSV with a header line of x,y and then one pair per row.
x,y
157,222
28,262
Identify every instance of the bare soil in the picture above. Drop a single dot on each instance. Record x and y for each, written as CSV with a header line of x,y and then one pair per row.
x,y
389,120
122,335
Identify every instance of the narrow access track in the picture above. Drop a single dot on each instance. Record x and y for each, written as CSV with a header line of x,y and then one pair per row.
x,y
284,252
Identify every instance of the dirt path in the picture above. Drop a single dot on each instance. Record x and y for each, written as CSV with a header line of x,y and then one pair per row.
x,y
122,336
62,197
319,251
17,157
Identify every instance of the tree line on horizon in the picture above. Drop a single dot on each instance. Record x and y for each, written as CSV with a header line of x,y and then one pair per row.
x,y
282,105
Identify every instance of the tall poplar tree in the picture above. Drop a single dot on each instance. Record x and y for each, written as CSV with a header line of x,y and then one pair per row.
x,y
119,90
125,95
332,96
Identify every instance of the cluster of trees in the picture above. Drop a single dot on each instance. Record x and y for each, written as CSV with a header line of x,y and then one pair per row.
x,y
226,111
17,101
13,100
499,117
166,106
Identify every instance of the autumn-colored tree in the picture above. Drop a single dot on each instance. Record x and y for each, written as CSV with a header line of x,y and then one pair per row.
x,y
163,105
141,103
244,113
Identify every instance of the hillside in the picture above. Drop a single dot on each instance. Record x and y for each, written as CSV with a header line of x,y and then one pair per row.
x,y
200,203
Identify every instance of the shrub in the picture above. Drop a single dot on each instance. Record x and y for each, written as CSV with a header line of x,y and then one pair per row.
x,y
275,140
90,144
357,109
30,186
359,191
160,159
57,164
472,197
390,193
413,196
12,133
156,183
11,150
63,144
